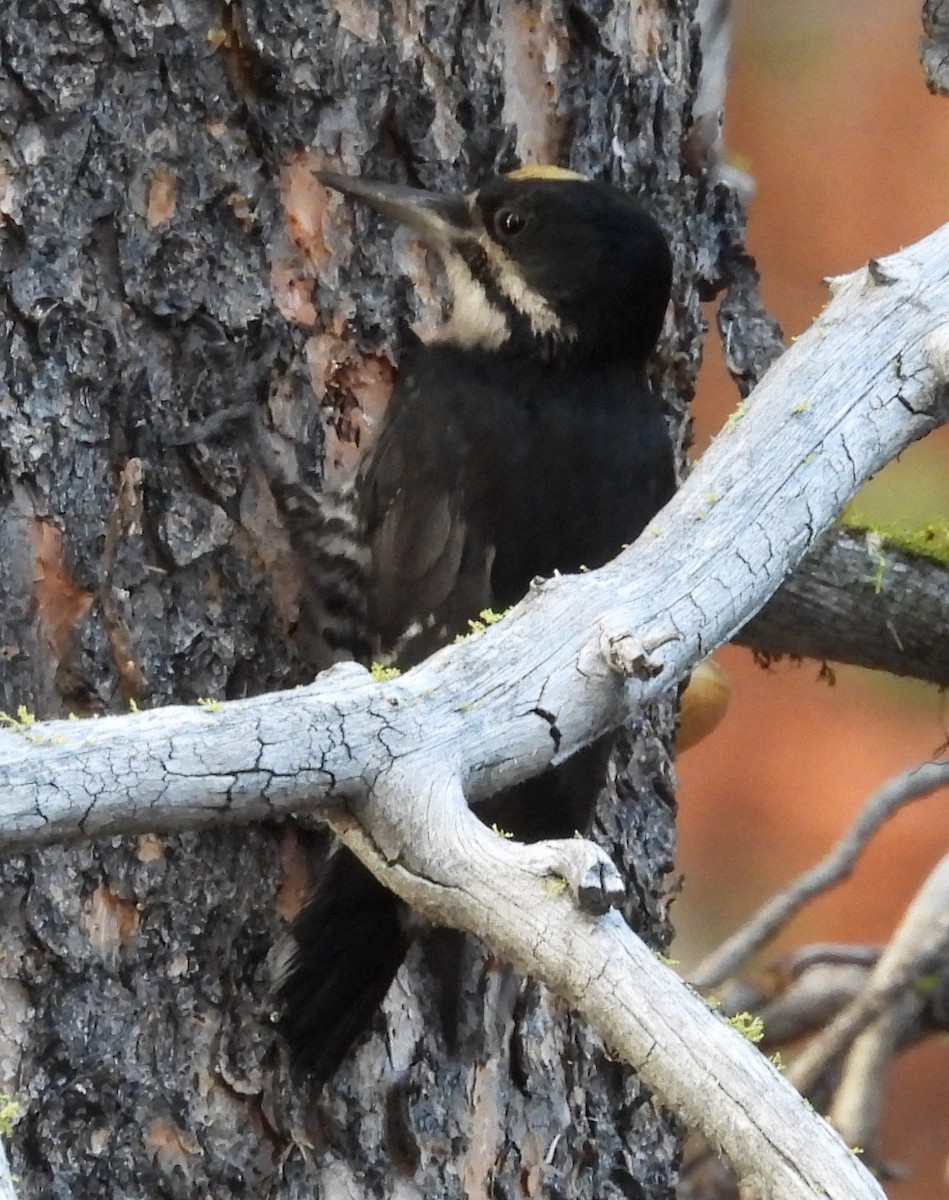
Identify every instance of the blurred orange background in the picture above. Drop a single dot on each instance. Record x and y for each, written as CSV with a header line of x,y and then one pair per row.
x,y
828,111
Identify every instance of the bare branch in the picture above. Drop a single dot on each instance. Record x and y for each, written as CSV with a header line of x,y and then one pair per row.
x,y
501,891
921,940
830,412
812,998
862,600
858,1102
728,958
401,758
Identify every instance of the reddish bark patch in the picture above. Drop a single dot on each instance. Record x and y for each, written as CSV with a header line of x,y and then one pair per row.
x,y
171,1147
354,392
60,604
306,205
111,921
150,848
292,294
162,199
295,874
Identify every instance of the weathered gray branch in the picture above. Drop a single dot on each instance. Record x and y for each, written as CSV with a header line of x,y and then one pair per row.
x,y
918,944
390,762
580,649
7,1191
689,1056
728,958
861,600
918,947
588,649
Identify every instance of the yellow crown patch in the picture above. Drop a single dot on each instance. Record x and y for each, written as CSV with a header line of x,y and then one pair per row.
x,y
544,171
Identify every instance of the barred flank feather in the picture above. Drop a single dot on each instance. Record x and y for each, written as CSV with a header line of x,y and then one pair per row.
x,y
327,538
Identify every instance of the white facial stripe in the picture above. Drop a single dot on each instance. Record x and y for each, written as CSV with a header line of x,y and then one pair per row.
x,y
475,322
543,320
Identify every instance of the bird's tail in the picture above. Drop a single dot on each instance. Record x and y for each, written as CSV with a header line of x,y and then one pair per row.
x,y
348,943
349,939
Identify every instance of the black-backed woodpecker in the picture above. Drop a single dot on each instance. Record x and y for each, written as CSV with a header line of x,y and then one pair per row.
x,y
523,439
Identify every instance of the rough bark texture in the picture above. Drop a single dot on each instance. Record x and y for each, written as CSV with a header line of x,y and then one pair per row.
x,y
935,45
163,261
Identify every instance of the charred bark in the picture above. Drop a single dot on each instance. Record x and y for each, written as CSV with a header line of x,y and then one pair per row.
x,y
170,281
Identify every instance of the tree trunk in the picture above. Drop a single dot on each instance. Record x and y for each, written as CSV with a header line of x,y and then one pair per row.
x,y
172,275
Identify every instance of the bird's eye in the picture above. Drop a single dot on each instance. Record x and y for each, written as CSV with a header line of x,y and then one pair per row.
x,y
508,223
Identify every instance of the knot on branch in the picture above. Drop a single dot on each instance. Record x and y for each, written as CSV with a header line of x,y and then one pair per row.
x,y
588,872
568,864
880,277
632,657
936,349
345,673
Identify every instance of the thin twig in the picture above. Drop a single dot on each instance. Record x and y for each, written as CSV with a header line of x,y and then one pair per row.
x,y
857,1107
913,785
921,939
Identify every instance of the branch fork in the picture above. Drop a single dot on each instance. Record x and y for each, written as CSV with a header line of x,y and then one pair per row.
x,y
770,486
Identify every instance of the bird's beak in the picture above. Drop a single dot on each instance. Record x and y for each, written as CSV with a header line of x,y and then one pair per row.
x,y
439,220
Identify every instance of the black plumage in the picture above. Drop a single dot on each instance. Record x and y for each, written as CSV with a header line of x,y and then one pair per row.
x,y
524,440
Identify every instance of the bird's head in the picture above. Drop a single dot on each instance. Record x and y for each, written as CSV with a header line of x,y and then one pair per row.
x,y
539,261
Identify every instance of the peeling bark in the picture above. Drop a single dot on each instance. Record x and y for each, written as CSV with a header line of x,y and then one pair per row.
x,y
935,45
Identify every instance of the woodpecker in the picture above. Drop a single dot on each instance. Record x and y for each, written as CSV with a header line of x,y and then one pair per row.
x,y
522,439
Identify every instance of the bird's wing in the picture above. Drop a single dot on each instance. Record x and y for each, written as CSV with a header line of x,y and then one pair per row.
x,y
430,567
